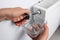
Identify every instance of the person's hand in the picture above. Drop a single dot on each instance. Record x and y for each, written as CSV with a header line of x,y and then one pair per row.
x,y
43,35
14,14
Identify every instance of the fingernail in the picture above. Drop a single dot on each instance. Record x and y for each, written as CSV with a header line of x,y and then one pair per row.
x,y
18,18
45,22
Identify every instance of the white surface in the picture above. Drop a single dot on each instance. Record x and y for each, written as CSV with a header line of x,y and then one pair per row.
x,y
17,3
52,17
11,32
47,3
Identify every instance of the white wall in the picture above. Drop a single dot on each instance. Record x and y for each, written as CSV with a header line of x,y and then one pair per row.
x,y
17,3
52,17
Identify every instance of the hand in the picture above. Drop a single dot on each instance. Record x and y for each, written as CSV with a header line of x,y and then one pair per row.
x,y
43,35
14,14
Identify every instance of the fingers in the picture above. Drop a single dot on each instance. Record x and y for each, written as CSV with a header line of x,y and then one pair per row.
x,y
21,23
45,32
34,26
18,24
39,25
26,11
35,29
22,11
45,27
17,18
29,29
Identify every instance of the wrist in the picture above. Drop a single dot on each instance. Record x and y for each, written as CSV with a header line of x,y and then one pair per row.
x,y
4,16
